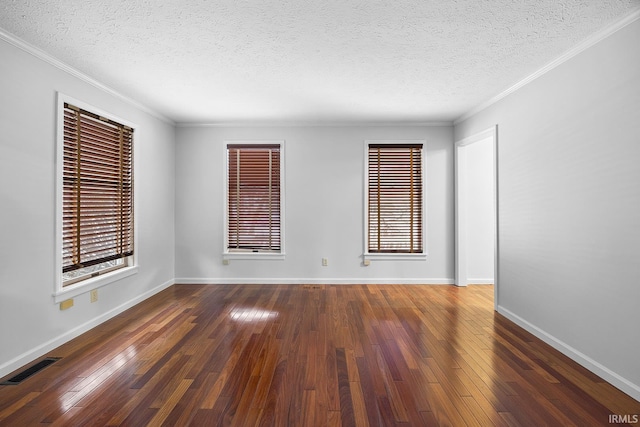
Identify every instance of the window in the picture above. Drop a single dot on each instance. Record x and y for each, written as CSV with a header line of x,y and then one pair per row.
x,y
254,198
394,199
97,195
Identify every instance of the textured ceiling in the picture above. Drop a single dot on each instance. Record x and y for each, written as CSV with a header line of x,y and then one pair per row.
x,y
208,61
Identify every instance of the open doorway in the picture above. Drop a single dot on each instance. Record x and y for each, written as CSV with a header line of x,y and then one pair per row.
x,y
476,210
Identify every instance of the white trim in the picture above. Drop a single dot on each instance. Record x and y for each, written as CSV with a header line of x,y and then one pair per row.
x,y
253,256
62,98
87,285
473,281
61,293
394,256
460,217
460,211
487,133
226,255
607,374
303,123
584,45
32,354
365,199
310,281
43,56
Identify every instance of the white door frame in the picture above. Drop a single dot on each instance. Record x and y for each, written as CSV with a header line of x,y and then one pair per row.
x,y
461,206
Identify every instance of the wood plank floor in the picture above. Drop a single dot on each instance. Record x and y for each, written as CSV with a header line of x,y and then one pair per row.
x,y
246,355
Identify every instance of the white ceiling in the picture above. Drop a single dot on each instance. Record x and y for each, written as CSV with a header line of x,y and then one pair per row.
x,y
212,61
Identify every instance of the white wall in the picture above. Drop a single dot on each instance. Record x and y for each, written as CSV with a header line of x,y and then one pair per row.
x,y
480,211
324,169
30,322
569,206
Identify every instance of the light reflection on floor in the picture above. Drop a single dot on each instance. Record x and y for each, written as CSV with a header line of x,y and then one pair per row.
x,y
97,377
249,315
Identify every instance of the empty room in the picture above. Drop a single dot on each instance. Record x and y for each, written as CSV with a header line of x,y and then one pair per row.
x,y
320,213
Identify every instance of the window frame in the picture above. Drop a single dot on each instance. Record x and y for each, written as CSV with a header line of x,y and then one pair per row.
x,y
80,286
395,256
248,255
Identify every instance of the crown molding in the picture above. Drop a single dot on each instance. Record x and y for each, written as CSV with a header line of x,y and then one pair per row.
x,y
314,124
584,45
40,54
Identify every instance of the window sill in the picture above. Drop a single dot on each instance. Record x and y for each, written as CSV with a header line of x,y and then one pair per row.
x,y
395,257
252,256
87,285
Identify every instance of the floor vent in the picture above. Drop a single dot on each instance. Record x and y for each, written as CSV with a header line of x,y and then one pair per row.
x,y
17,379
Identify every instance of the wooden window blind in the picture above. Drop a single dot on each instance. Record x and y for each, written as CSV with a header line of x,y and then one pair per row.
x,y
254,197
395,198
97,211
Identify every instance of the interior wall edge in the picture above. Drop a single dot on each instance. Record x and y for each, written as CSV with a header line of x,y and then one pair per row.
x,y
39,351
585,361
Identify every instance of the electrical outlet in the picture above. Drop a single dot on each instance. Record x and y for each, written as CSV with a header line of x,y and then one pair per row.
x,y
325,262
66,304
225,262
366,263
94,295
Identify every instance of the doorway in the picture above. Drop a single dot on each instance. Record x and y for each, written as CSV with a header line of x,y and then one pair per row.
x,y
476,222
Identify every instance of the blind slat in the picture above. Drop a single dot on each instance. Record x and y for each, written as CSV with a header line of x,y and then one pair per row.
x,y
395,198
97,211
253,197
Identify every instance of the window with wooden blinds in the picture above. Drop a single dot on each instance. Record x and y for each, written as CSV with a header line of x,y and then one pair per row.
x,y
254,197
394,198
97,194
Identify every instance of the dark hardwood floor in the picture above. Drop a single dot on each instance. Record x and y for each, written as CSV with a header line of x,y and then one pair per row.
x,y
312,355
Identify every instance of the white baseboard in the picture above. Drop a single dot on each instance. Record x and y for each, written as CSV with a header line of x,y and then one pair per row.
x,y
308,281
33,354
481,281
608,375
